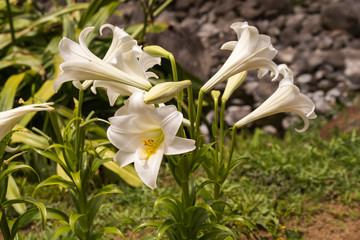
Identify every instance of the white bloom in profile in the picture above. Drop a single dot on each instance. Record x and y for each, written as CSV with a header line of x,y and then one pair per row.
x,y
8,119
123,70
143,134
251,51
287,98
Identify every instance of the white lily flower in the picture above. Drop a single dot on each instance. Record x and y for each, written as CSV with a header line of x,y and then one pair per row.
x,y
123,70
143,134
287,98
251,51
8,119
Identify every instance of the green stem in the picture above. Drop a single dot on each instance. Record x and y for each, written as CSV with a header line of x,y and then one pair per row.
x,y
78,136
185,183
5,230
191,110
161,8
56,127
199,113
3,222
176,79
222,135
180,96
215,129
12,30
185,194
232,145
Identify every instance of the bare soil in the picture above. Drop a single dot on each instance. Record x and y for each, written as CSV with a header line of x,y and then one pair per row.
x,y
334,221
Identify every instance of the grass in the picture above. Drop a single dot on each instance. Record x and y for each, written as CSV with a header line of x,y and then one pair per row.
x,y
281,179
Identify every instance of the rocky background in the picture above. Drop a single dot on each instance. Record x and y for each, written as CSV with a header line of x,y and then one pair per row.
x,y
318,39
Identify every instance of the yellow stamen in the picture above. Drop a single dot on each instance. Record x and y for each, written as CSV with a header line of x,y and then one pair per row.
x,y
151,146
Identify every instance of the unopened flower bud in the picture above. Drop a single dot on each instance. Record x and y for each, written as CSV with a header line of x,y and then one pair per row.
x,y
233,83
156,51
163,92
215,94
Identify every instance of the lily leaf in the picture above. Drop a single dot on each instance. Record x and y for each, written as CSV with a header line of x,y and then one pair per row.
x,y
15,167
13,192
55,180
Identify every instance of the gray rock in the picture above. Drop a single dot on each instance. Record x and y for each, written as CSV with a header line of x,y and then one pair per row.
x,y
321,105
269,129
183,4
341,16
190,25
312,24
332,95
325,84
235,113
335,58
178,44
286,55
208,30
324,42
289,36
314,59
320,74
304,78
352,65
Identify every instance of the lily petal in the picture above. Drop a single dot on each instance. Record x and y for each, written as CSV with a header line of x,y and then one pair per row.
x,y
251,51
122,71
8,119
180,145
143,134
148,170
287,98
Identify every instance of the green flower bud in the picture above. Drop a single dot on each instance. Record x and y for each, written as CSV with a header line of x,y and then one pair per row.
x,y
164,92
233,83
215,94
156,51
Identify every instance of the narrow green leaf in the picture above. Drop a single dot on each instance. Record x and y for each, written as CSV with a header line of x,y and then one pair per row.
x,y
72,220
9,89
95,7
205,206
5,39
51,156
146,224
33,214
3,143
156,27
219,227
23,57
164,226
112,230
16,167
30,139
240,219
13,192
60,231
55,180
111,188
127,173
45,92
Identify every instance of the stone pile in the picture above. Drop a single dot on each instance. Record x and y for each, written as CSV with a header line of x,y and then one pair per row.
x,y
318,39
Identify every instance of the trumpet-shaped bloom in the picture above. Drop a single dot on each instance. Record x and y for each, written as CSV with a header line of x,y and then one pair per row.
x,y
251,51
123,70
143,134
287,98
8,119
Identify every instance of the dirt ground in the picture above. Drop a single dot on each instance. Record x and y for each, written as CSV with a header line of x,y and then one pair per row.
x,y
334,221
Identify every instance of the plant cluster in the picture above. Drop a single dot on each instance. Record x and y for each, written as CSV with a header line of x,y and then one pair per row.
x,y
143,131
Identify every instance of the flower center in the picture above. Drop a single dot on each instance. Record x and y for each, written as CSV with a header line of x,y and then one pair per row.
x,y
151,146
